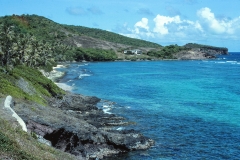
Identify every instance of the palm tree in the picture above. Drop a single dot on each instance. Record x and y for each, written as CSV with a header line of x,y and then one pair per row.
x,y
23,47
7,39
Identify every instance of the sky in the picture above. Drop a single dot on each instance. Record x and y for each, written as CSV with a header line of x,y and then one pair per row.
x,y
210,22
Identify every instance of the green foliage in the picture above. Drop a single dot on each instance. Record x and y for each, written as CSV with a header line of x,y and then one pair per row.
x,y
111,37
17,144
166,52
34,135
11,148
91,54
39,42
19,45
43,86
201,46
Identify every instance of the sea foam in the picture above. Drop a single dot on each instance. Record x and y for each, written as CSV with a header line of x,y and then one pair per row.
x,y
64,86
83,75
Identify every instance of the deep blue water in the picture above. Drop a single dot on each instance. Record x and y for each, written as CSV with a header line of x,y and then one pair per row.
x,y
190,108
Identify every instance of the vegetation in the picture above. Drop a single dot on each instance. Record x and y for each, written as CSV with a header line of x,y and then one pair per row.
x,y
111,37
42,87
166,52
91,54
195,45
48,40
38,42
17,144
17,48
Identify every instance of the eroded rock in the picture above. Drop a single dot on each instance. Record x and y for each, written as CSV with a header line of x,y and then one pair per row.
x,y
75,125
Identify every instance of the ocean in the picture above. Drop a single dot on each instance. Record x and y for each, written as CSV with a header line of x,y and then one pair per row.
x,y
191,108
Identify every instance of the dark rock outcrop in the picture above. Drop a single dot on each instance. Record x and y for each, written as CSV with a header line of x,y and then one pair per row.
x,y
75,125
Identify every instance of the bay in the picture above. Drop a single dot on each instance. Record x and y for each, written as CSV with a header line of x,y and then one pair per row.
x,y
190,108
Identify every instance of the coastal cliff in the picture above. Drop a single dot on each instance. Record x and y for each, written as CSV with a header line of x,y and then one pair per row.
x,y
195,51
73,123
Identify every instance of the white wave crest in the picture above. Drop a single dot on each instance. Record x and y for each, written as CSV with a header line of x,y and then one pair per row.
x,y
120,128
59,66
220,62
107,108
231,61
83,75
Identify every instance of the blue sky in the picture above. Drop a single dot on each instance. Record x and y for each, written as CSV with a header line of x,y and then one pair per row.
x,y
211,22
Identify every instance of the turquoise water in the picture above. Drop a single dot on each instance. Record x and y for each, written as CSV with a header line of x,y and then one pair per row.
x,y
190,108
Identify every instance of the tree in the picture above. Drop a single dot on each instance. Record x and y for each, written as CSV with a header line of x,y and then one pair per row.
x,y
7,39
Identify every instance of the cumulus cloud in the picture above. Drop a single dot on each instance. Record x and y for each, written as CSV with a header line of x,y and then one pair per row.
x,y
209,18
165,26
176,29
162,21
142,24
142,28
218,26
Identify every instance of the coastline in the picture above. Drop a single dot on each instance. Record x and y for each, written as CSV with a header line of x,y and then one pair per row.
x,y
55,75
97,129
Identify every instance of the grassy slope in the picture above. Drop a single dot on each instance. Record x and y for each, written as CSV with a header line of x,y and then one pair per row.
x,y
42,86
15,143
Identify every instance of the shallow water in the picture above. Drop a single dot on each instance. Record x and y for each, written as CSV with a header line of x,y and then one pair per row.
x,y
190,108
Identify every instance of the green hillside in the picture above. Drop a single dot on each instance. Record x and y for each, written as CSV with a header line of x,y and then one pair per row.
x,y
37,41
111,37
67,42
46,29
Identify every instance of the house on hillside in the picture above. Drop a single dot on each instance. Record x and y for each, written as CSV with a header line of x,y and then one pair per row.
x,y
135,51
127,52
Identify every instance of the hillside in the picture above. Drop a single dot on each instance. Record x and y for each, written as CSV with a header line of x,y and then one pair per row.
x,y
68,42
46,29
200,51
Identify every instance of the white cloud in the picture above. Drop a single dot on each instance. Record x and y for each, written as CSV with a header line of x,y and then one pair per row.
x,y
206,28
218,26
162,21
164,27
209,18
141,28
198,26
142,24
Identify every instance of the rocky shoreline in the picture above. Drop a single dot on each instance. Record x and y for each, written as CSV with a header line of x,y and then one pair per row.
x,y
73,123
